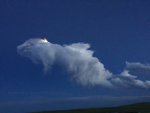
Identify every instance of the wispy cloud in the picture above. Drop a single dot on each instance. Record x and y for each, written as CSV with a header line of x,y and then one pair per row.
x,y
138,68
78,60
128,80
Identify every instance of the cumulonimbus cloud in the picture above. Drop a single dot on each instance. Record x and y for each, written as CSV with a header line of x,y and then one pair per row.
x,y
79,62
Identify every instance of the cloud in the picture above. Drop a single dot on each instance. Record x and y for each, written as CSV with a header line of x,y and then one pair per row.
x,y
78,60
138,68
127,80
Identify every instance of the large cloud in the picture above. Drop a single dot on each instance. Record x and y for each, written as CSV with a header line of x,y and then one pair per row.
x,y
79,62
76,58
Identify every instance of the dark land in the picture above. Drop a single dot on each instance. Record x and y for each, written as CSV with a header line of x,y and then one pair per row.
x,y
132,108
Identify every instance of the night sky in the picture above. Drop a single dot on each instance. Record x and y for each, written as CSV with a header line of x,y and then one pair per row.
x,y
118,32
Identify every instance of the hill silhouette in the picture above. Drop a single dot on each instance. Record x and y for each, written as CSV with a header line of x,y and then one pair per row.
x,y
138,107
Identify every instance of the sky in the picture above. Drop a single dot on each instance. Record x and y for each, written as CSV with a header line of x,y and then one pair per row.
x,y
97,54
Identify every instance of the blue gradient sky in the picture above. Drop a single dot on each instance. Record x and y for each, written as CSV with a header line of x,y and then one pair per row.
x,y
117,31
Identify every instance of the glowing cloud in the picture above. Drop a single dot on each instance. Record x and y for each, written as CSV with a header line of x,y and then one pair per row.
x,y
44,40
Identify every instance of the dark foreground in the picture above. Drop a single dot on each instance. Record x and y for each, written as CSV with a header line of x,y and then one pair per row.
x,y
137,108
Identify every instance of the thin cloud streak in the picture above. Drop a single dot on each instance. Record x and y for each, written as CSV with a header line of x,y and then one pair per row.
x,y
138,68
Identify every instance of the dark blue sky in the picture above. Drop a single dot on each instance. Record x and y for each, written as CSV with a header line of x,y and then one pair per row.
x,y
117,31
